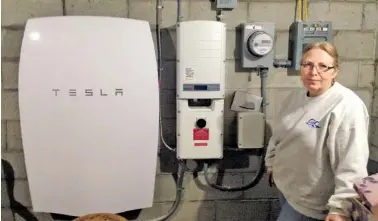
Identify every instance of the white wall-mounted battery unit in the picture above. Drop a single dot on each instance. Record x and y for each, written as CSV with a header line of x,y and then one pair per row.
x,y
78,78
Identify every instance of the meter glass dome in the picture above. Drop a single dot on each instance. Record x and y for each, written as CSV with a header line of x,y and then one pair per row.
x,y
260,43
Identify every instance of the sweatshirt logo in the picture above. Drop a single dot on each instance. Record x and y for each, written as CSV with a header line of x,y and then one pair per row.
x,y
313,123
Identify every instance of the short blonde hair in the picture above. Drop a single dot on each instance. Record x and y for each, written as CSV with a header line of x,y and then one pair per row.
x,y
327,47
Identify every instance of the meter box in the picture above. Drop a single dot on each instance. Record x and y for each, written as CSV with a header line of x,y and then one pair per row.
x,y
302,33
226,4
257,45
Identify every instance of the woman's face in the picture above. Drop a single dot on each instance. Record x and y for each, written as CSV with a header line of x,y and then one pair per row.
x,y
317,71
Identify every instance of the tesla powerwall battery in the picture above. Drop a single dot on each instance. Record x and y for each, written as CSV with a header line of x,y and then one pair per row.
x,y
89,106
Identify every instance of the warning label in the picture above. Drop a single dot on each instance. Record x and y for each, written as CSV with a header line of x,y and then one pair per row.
x,y
201,134
189,74
200,144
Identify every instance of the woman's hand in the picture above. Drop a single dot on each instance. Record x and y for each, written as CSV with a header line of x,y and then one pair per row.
x,y
336,217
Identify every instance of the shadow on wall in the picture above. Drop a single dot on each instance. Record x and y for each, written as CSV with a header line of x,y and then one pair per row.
x,y
15,206
372,167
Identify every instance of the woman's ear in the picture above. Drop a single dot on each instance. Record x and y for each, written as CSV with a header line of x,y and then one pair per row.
x,y
335,72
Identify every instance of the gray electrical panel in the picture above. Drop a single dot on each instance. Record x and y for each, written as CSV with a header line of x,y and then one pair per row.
x,y
302,33
226,4
257,45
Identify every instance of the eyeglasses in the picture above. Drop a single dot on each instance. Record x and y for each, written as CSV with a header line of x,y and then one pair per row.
x,y
319,67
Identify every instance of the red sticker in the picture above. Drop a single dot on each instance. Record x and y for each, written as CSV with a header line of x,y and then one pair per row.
x,y
201,134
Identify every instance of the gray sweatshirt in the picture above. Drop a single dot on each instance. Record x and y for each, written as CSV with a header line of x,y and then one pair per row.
x,y
319,146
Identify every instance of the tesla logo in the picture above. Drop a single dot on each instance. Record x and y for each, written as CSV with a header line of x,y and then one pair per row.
x,y
88,92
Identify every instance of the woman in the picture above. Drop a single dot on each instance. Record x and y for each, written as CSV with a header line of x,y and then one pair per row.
x,y
319,144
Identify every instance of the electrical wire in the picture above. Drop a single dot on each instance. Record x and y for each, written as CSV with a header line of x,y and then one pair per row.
x,y
298,10
302,10
305,9
183,164
159,8
256,179
177,201
219,16
260,173
178,19
250,83
182,167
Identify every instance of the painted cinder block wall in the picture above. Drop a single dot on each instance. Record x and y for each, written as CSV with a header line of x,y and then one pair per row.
x,y
355,34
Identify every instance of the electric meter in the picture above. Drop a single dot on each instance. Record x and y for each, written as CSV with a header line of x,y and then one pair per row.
x,y
257,47
260,43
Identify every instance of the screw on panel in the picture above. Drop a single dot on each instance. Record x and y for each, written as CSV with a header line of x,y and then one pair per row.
x,y
178,111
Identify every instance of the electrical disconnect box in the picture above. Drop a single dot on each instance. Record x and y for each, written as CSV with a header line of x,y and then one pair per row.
x,y
201,55
226,4
302,33
251,129
257,45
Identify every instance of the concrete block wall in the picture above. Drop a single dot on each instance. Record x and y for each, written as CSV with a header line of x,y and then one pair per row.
x,y
374,114
355,23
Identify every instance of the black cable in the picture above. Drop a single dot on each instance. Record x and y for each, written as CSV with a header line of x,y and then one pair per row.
x,y
183,164
260,173
256,179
